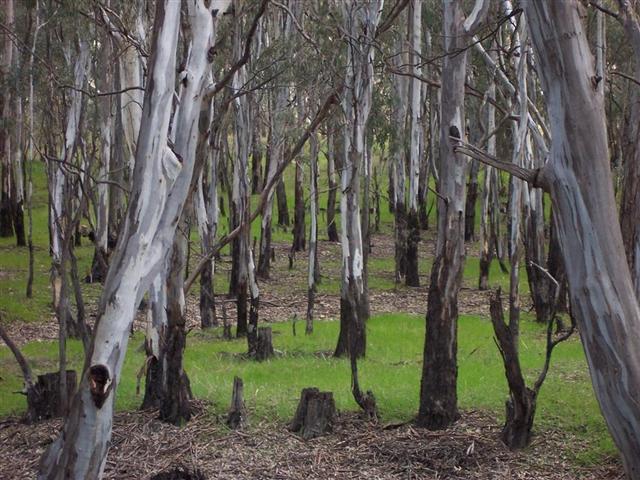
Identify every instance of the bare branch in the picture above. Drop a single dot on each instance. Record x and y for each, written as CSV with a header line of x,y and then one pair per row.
x,y
218,86
532,176
24,365
321,114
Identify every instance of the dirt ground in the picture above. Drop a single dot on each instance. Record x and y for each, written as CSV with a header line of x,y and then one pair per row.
x,y
143,446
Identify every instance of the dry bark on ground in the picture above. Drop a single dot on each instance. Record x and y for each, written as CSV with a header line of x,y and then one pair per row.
x,y
471,449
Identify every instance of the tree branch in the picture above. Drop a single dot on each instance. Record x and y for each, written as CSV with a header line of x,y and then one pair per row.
x,y
321,114
533,176
216,87
24,365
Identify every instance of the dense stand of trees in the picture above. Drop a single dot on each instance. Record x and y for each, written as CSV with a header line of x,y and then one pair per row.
x,y
155,120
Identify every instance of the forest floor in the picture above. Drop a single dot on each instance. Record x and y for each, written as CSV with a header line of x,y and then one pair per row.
x,y
356,449
392,449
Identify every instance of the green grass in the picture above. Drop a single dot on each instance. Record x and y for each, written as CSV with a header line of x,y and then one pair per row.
x,y
395,342
391,369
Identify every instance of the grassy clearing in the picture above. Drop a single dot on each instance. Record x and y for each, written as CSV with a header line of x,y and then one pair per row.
x,y
391,370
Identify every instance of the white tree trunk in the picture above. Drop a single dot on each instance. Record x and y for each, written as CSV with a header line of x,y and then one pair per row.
x,y
159,191
415,107
578,177
361,21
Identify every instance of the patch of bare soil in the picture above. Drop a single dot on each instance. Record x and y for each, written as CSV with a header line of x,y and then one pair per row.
x,y
143,446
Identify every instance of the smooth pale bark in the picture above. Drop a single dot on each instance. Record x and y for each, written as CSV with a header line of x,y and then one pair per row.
x,y
299,227
208,213
63,201
278,125
175,403
578,177
438,395
398,167
488,214
630,202
412,277
159,192
104,80
361,21
240,196
6,69
313,270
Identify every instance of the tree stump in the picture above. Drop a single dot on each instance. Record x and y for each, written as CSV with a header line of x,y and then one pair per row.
x,y
180,473
264,348
237,416
315,413
43,399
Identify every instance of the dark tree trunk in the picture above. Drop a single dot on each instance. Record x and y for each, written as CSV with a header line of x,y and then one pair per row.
x,y
153,384
264,345
521,405
241,308
99,266
175,407
264,260
281,201
299,235
400,237
540,285
207,300
256,161
18,223
314,415
6,220
438,394
332,226
555,265
412,275
470,208
43,398
237,416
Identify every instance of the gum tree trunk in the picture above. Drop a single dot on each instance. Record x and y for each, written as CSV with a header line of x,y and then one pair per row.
x,y
276,156
6,221
398,168
104,80
160,189
332,226
361,21
412,277
313,270
438,396
630,203
578,177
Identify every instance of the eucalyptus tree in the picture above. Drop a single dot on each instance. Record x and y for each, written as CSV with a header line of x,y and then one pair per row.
x,y
159,190
415,142
578,179
7,72
629,16
361,21
280,33
438,396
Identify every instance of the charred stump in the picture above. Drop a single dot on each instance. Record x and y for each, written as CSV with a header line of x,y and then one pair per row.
x,y
43,398
153,384
237,416
315,413
264,346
